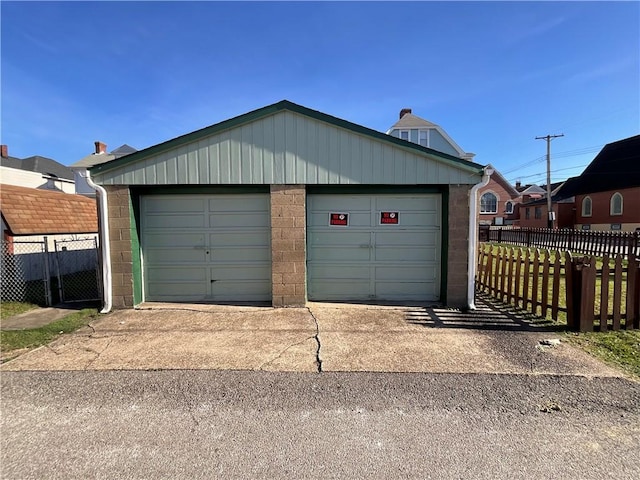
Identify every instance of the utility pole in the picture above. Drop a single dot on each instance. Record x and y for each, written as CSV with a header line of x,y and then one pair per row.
x,y
550,214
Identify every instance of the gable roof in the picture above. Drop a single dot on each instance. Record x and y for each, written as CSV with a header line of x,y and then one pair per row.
x,y
270,110
97,158
616,167
29,211
39,164
497,176
409,120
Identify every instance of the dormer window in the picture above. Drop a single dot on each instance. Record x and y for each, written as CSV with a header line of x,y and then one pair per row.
x,y
423,138
404,135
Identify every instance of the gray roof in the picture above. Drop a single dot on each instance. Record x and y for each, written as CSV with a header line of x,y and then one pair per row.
x,y
409,120
98,158
38,164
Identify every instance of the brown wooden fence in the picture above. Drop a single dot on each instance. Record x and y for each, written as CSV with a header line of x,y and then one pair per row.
x,y
589,292
587,242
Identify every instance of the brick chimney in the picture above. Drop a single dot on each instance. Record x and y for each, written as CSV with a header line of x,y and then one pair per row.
x,y
100,147
4,151
404,111
518,184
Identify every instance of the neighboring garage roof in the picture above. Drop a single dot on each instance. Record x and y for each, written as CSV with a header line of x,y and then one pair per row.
x,y
286,143
97,158
29,211
616,167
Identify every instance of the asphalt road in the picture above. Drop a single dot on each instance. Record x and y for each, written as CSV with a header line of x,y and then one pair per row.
x,y
226,424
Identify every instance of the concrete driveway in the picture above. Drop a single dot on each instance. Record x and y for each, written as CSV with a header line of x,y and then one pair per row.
x,y
321,338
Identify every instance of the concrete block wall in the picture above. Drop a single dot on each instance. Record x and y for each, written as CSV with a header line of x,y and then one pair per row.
x,y
458,246
119,201
288,245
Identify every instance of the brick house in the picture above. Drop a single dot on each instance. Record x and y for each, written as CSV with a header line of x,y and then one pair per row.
x,y
606,195
286,204
499,201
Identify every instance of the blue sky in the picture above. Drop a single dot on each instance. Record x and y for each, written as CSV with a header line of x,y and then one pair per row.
x,y
494,75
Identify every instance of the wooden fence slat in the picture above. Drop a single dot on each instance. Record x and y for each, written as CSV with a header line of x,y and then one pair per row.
x,y
545,283
632,293
512,253
555,294
525,290
617,291
587,300
502,262
604,294
536,279
518,295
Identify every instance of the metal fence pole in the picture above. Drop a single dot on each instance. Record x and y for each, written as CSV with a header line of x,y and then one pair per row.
x,y
47,274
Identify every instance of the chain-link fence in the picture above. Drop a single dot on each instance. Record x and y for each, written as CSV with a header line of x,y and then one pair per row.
x,y
76,267
29,272
24,273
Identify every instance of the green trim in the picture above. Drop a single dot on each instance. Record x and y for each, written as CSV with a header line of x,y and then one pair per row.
x,y
283,105
199,189
134,221
444,249
374,189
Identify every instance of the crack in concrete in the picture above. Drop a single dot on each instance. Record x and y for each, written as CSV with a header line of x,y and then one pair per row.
x,y
317,338
284,351
189,406
98,354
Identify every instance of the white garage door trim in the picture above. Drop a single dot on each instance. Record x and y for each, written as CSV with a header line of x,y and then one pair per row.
x,y
371,260
206,247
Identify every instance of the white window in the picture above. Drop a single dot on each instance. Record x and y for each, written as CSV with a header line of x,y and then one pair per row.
x,y
423,138
616,204
488,203
586,207
404,135
508,207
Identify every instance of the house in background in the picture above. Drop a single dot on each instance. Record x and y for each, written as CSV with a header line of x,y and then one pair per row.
x,y
427,134
607,193
100,155
30,214
533,212
286,204
35,172
499,201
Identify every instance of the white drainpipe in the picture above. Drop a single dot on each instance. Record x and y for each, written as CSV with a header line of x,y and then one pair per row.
x,y
473,236
104,242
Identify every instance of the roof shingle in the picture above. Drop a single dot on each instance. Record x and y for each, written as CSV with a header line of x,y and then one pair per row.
x,y
29,211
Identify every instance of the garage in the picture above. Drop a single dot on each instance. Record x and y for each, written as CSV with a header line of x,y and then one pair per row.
x,y
206,248
373,247
282,205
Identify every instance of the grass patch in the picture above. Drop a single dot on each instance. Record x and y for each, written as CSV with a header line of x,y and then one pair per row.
x,y
34,337
621,348
9,309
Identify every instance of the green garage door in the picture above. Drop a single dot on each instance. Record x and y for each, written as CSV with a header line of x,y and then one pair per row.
x,y
206,248
373,247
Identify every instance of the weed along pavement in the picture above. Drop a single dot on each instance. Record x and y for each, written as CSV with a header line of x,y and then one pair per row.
x,y
328,391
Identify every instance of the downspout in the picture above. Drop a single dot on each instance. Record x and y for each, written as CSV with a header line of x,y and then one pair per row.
x,y
473,236
104,241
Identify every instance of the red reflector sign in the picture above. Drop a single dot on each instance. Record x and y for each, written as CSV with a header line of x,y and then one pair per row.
x,y
340,219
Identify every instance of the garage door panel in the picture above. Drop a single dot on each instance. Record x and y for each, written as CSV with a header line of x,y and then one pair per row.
x,y
229,203
339,290
405,255
252,273
342,238
173,240
177,222
397,238
163,256
407,204
166,204
335,271
243,220
367,260
228,259
248,237
339,203
241,257
406,273
345,254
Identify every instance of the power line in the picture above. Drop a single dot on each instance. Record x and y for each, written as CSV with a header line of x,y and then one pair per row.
x,y
548,139
564,154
